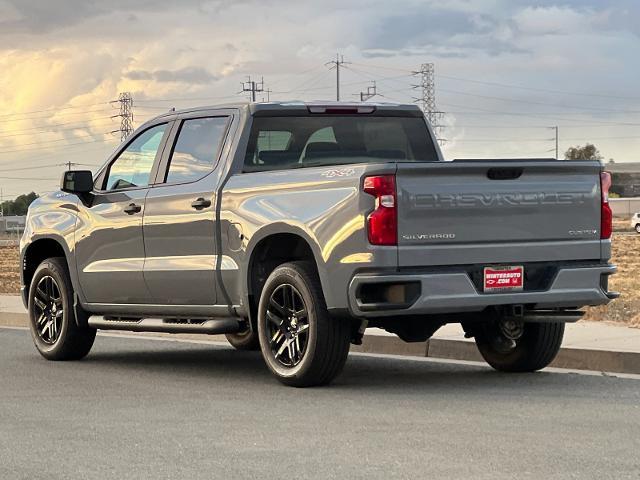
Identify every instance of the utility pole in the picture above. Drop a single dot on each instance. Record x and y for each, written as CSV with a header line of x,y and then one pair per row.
x,y
427,101
268,91
370,93
1,203
69,165
253,87
336,64
556,129
126,115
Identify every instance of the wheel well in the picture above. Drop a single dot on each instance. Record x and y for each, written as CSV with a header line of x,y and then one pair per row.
x,y
270,252
36,253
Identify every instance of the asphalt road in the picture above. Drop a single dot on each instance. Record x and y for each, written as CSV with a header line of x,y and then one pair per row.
x,y
138,408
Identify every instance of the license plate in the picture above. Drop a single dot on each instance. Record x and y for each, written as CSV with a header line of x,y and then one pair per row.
x,y
503,279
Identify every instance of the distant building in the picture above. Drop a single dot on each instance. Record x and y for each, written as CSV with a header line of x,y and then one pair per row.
x,y
12,223
625,178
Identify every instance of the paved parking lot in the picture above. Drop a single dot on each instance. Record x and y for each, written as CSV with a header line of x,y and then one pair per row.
x,y
150,408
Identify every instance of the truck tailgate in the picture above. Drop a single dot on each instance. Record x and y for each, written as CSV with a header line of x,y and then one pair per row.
x,y
496,211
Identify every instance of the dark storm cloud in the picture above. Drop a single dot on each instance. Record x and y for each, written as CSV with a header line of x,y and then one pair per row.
x,y
438,32
191,75
420,28
42,16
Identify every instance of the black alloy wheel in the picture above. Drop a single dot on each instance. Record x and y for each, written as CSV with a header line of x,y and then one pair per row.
x,y
48,309
288,325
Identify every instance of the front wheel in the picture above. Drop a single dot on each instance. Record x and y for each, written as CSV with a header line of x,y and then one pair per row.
x,y
301,343
535,347
638,228
54,330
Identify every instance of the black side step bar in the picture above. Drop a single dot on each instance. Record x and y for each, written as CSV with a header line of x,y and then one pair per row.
x,y
210,326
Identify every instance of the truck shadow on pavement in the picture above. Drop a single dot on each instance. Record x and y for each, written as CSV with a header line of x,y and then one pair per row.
x,y
218,364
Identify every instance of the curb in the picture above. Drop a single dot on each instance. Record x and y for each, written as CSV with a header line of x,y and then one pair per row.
x,y
569,358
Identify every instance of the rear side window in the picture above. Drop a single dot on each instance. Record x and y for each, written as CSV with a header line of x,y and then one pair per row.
x,y
318,140
196,149
133,166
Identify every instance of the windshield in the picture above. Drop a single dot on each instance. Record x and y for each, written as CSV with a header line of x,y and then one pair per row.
x,y
307,141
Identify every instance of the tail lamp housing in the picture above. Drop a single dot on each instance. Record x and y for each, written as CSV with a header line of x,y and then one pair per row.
x,y
382,223
606,215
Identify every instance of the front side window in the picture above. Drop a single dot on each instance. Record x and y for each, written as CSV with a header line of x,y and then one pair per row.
x,y
196,149
133,166
337,140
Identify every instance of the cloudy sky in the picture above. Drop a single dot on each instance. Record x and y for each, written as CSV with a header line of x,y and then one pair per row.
x,y
506,70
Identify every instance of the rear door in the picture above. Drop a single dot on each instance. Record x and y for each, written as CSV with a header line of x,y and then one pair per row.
x,y
109,244
180,216
469,212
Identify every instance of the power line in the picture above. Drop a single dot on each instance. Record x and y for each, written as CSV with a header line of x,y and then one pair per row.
x,y
483,111
37,179
47,147
408,70
537,89
38,167
311,80
53,125
44,131
47,142
496,140
14,120
533,102
83,152
53,109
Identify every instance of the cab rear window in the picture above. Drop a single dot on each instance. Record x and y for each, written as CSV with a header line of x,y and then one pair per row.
x,y
277,143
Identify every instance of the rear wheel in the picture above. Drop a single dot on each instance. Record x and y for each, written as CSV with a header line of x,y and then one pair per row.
x,y
525,348
638,227
300,342
54,330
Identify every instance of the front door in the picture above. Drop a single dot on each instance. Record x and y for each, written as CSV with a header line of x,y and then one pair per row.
x,y
180,217
109,243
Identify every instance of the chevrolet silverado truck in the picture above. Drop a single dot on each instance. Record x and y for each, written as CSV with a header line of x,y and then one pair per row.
x,y
293,227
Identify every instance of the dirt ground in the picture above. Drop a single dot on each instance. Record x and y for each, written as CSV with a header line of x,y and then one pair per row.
x,y
626,254
626,309
9,270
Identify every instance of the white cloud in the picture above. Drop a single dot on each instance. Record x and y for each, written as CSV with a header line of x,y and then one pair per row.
x,y
552,20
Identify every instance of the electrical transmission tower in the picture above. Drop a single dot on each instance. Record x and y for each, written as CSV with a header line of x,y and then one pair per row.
x,y
126,115
336,64
253,87
426,74
370,93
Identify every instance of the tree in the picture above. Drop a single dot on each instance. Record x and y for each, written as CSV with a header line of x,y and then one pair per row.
x,y
588,152
20,205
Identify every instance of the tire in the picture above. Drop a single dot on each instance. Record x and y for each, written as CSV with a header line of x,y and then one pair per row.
x,y
244,341
320,348
538,346
638,228
56,335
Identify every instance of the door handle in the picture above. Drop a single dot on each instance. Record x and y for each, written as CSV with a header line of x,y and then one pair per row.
x,y
132,208
201,203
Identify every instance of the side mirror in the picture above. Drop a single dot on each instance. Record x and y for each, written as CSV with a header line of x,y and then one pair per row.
x,y
77,181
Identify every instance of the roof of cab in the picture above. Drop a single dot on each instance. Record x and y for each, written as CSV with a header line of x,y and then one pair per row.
x,y
299,107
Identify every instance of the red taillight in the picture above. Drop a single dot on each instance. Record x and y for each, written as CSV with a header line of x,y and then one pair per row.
x,y
382,223
606,215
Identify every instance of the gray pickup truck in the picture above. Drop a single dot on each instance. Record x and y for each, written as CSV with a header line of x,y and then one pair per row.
x,y
293,227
